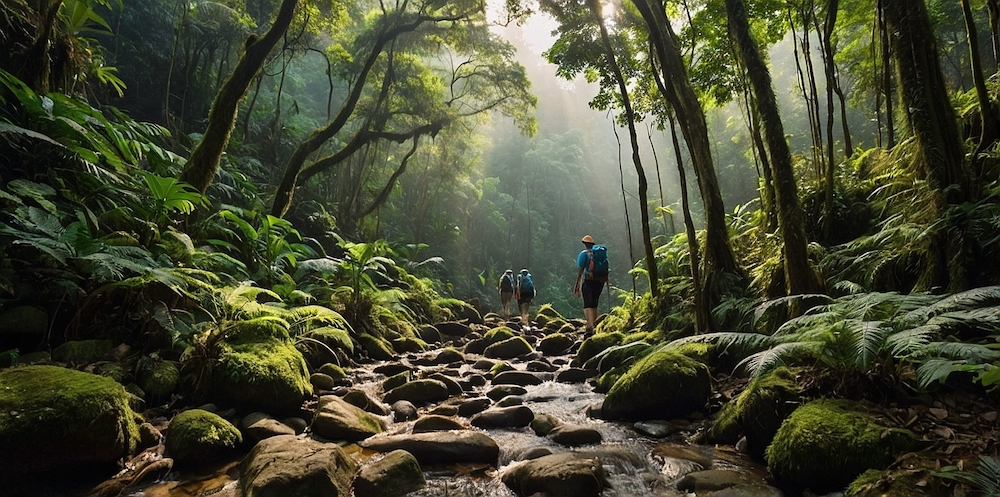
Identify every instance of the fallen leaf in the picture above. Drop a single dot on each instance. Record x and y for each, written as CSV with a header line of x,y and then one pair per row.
x,y
938,413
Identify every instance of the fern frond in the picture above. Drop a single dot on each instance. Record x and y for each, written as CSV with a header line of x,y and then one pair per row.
x,y
765,361
912,341
977,297
958,350
869,340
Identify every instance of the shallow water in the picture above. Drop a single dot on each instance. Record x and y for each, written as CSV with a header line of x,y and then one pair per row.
x,y
633,463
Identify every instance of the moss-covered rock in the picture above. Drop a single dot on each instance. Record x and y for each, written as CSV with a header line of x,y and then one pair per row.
x,y
826,444
608,379
52,418
82,351
157,378
429,334
595,344
375,347
550,312
270,375
296,466
196,436
409,344
663,385
619,355
555,343
460,310
508,349
333,371
336,419
498,334
758,411
395,475
500,367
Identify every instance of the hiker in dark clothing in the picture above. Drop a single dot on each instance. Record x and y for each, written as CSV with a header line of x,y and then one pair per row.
x,y
591,275
524,292
506,288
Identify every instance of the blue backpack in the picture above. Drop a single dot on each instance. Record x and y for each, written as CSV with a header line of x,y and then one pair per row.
x,y
525,285
597,267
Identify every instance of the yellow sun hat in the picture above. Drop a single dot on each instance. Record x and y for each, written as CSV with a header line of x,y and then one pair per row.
x,y
588,239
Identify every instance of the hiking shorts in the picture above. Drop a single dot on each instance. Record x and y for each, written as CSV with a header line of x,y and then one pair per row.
x,y
526,298
591,293
506,297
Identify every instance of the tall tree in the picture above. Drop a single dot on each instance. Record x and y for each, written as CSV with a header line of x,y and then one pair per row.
x,y
800,278
204,161
928,110
677,90
609,57
987,111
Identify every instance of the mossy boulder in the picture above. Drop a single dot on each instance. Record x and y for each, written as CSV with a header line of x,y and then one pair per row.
x,y
52,418
197,436
495,335
296,466
429,334
270,375
555,343
418,392
82,351
395,475
595,344
550,312
409,344
376,348
508,349
619,355
158,379
333,371
758,411
461,310
608,379
662,385
336,419
825,444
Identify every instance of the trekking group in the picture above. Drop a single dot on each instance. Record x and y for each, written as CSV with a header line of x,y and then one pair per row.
x,y
592,272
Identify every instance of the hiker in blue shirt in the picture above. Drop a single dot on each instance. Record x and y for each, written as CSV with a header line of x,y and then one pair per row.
x,y
591,275
524,292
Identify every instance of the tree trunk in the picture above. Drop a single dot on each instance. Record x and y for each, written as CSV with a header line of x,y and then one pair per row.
x,y
987,112
38,65
993,7
647,237
924,98
204,160
830,71
701,311
679,93
800,278
887,90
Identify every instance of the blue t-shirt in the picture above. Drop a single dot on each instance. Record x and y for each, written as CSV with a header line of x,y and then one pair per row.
x,y
583,261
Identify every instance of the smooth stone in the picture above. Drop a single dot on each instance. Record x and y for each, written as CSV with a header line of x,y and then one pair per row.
x,y
533,453
445,447
403,410
544,423
501,391
503,417
655,428
474,406
710,480
395,475
574,435
510,400
566,474
434,422
574,375
520,378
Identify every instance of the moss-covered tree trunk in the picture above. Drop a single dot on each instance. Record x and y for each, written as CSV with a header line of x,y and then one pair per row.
x,y
987,112
647,237
993,7
204,160
924,97
800,277
718,259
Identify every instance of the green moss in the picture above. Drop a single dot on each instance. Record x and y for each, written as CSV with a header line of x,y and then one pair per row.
x,y
509,348
333,371
595,344
271,376
118,371
82,351
608,379
498,334
500,367
662,385
197,435
758,411
157,378
55,417
550,312
376,348
809,449
700,352
566,328
408,344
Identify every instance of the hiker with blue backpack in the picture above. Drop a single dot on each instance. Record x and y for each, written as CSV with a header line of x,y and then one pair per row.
x,y
524,292
591,274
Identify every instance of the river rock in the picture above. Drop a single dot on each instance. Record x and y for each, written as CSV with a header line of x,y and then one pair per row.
x,y
533,453
510,400
362,400
655,428
573,435
484,364
395,475
520,378
396,380
391,369
435,423
403,410
555,344
503,417
76,419
448,356
290,465
419,392
508,349
445,447
257,426
445,410
574,375
322,381
474,406
453,328
748,490
336,419
197,436
567,474
662,385
500,391
710,480
544,423
453,387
